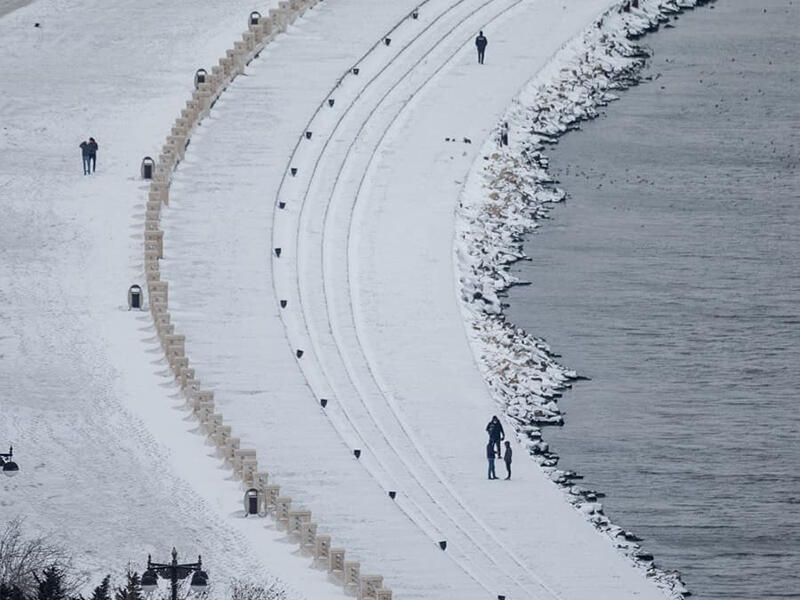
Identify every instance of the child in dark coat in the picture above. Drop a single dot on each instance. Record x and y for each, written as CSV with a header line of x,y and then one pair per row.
x,y
507,458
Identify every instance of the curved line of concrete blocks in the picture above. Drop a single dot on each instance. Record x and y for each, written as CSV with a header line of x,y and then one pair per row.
x,y
244,463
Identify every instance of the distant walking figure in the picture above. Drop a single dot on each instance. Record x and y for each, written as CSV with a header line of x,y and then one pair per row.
x,y
86,153
490,458
93,152
480,44
496,434
507,458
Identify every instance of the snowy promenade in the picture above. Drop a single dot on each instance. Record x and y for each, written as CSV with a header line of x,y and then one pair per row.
x,y
366,270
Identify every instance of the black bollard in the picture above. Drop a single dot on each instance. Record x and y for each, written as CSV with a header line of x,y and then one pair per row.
x,y
323,402
357,453
283,303
299,354
308,135
293,171
330,101
415,14
281,204
387,41
355,70
392,494
443,544
278,252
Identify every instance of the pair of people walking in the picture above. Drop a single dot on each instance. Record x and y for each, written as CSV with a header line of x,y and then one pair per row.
x,y
89,154
496,436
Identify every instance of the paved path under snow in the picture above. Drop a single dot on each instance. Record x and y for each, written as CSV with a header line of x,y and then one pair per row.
x,y
367,274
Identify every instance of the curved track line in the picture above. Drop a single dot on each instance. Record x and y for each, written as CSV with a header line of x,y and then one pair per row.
x,y
390,400
337,426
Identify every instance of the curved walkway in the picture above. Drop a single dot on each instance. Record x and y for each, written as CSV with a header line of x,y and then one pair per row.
x,y
364,228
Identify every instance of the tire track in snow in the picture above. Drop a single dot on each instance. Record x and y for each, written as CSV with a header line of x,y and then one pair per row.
x,y
348,428
460,505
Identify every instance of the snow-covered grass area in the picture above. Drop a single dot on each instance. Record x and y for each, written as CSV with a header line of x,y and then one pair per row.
x,y
82,398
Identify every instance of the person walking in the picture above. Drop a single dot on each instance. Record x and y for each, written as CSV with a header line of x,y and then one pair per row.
x,y
481,43
86,153
496,434
507,458
490,458
93,152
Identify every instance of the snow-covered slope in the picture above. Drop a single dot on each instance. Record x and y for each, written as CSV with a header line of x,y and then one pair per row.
x,y
84,400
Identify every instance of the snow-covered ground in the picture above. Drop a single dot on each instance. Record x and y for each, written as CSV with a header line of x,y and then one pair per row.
x,y
367,275
82,399
110,464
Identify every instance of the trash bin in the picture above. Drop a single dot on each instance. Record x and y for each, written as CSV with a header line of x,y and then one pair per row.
x,y
251,502
148,164
135,297
255,17
200,77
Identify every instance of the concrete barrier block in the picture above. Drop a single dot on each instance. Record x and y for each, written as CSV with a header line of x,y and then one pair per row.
x,y
296,520
185,376
383,594
336,561
154,240
308,537
178,364
352,577
195,397
249,470
249,40
322,550
238,459
221,436
282,508
158,287
370,584
231,444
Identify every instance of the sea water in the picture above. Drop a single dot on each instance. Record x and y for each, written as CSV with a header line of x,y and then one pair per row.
x,y
671,278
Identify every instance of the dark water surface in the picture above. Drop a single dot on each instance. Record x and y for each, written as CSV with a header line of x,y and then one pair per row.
x,y
672,278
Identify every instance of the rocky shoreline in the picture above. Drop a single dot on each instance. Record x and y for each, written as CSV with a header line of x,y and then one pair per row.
x,y
506,196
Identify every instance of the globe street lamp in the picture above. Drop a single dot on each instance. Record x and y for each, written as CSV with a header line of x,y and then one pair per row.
x,y
10,468
174,572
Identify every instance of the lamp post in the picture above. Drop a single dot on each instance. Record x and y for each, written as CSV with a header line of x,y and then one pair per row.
x,y
174,572
10,468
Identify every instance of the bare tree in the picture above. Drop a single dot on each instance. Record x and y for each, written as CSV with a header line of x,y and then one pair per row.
x,y
23,559
247,590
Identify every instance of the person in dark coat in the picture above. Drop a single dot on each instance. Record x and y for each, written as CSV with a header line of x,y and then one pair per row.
x,y
481,43
490,458
507,458
496,434
86,153
93,152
